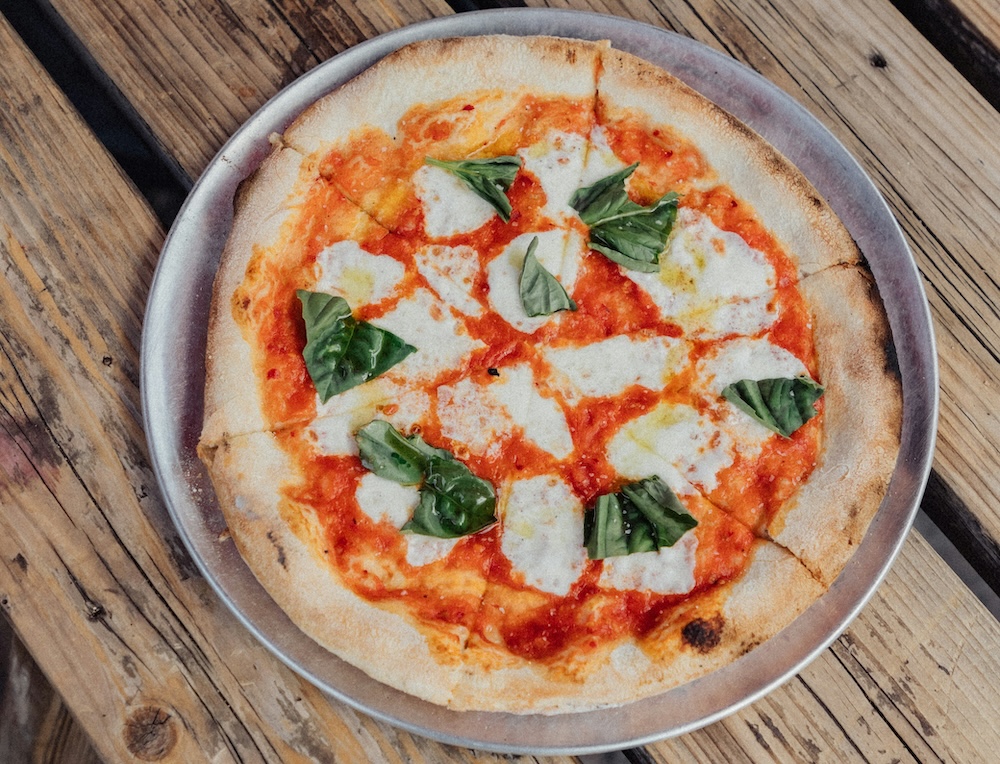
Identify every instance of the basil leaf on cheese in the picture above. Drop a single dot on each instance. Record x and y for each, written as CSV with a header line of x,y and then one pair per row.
x,y
342,352
642,517
393,456
663,511
541,292
487,178
625,232
604,529
782,405
453,501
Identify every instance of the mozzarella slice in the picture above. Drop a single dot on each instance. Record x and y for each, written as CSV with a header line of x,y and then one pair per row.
x,y
672,438
601,160
343,415
440,339
361,278
471,416
558,252
558,163
711,281
543,533
479,416
541,418
450,207
611,366
385,501
746,358
669,570
451,272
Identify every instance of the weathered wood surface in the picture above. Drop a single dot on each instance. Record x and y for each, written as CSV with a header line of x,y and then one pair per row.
x,y
93,576
918,127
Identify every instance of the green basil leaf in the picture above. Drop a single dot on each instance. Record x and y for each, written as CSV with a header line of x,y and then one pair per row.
x,y
625,232
488,178
642,517
667,517
782,405
342,352
389,454
453,501
604,529
541,292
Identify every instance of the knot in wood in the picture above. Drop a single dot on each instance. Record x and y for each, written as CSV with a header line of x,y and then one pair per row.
x,y
150,733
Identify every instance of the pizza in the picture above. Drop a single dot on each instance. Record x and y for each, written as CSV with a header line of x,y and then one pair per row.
x,y
538,383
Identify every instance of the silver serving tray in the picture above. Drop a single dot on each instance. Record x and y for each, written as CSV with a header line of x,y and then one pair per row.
x,y
173,376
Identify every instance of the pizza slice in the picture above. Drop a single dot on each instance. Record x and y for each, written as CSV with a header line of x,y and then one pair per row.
x,y
825,520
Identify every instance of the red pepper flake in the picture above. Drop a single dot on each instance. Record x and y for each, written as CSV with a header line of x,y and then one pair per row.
x,y
468,107
272,373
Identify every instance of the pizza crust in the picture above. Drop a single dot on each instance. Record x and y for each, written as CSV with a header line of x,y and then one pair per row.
x,y
862,407
439,70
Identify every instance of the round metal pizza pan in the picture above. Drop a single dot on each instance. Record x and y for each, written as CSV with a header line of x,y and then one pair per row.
x,y
173,377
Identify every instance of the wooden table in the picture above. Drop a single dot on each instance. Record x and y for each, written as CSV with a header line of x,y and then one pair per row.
x,y
93,577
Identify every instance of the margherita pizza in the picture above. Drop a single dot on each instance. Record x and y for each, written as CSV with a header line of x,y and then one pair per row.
x,y
533,378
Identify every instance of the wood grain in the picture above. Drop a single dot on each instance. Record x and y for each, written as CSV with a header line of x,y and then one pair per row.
x,y
195,71
92,574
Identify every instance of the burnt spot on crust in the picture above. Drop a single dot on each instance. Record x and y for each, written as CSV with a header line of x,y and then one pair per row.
x,y
704,635
280,550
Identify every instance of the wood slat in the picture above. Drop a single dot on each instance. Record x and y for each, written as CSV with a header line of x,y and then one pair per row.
x,y
92,574
195,71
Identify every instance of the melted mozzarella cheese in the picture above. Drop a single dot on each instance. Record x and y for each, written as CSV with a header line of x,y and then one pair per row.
x,y
611,366
344,414
478,416
676,435
423,550
358,276
424,322
543,533
385,501
451,272
541,418
711,281
471,416
557,162
746,358
450,207
601,160
669,570
558,252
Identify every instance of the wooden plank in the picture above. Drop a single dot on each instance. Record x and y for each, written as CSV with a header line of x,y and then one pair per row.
x,y
195,71
912,679
92,574
967,32
927,138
